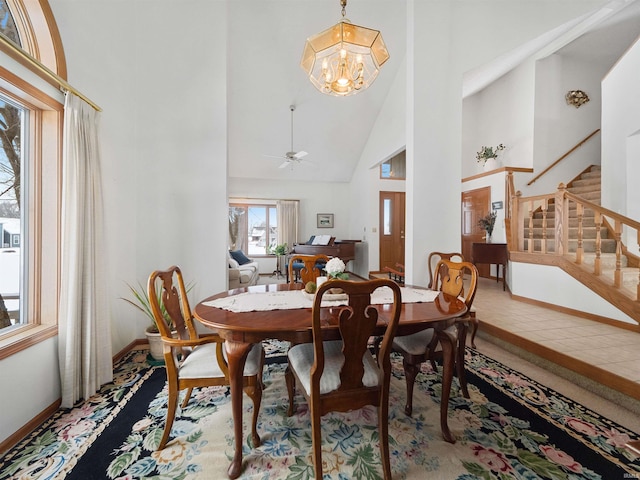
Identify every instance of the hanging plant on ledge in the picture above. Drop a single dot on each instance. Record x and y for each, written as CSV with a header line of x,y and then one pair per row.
x,y
486,153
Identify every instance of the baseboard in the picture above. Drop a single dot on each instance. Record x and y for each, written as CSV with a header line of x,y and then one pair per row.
x,y
128,348
606,384
26,429
36,421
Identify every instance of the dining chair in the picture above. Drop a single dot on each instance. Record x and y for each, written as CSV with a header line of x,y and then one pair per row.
x,y
310,270
309,267
421,346
341,374
194,361
435,257
432,261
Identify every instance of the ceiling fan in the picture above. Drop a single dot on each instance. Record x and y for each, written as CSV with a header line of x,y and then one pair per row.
x,y
291,157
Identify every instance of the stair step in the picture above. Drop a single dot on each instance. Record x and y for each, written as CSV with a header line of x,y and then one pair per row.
x,y
607,261
587,232
587,222
596,173
592,182
586,193
588,245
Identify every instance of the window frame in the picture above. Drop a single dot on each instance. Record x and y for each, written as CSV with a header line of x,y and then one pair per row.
x,y
43,161
257,204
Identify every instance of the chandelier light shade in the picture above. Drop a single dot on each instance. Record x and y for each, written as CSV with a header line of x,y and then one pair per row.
x,y
344,59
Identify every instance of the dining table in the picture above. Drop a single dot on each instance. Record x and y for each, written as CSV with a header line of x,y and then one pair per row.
x,y
246,316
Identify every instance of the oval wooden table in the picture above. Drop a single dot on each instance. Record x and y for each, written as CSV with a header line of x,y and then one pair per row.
x,y
242,330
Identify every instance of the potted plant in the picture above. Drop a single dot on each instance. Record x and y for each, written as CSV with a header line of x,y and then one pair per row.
x,y
140,301
487,223
487,154
279,251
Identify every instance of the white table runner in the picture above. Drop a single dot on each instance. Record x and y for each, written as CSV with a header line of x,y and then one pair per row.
x,y
295,299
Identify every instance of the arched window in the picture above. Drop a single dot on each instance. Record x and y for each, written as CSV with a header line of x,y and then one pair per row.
x,y
31,115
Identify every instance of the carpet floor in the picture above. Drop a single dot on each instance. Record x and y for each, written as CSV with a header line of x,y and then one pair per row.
x,y
511,427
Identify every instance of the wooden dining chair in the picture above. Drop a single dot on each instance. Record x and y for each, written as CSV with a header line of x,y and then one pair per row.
x,y
192,361
342,375
421,346
434,258
310,269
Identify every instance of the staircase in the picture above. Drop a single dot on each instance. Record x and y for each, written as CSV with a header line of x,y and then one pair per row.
x,y
587,186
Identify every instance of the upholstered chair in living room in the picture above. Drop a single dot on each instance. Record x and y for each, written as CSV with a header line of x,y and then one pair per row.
x,y
243,271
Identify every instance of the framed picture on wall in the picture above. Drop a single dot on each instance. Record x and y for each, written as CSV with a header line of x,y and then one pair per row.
x,y
325,220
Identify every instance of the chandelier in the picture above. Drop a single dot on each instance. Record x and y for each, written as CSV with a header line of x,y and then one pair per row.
x,y
345,58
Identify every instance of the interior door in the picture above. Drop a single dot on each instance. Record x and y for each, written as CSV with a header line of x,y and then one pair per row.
x,y
391,233
475,205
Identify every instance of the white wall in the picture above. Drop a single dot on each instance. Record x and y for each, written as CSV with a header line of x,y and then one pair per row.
x,y
164,127
556,287
386,139
164,177
314,197
445,40
621,116
500,113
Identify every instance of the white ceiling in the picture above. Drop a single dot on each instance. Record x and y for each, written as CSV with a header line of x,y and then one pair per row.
x,y
265,44
266,39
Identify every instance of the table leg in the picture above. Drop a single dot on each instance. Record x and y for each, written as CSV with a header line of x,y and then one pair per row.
x,y
448,343
236,356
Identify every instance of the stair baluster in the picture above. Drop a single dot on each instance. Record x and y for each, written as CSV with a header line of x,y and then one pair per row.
x,y
580,249
545,207
531,212
617,278
597,265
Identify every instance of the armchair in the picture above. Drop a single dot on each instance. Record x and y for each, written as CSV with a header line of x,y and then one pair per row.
x,y
243,272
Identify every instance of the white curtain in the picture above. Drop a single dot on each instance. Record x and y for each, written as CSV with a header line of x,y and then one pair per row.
x,y
84,332
288,215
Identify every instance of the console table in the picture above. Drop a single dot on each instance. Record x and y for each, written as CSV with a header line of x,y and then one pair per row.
x,y
493,254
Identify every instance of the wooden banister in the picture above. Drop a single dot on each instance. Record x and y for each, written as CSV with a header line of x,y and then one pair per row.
x,y
578,145
568,250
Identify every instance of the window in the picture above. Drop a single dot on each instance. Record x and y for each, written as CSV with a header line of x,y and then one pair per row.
x,y
253,228
12,171
394,168
30,176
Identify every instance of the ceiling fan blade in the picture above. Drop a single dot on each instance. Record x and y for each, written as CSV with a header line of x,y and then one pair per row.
x,y
301,154
286,162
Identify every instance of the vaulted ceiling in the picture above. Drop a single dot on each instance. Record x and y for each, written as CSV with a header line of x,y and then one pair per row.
x,y
265,78
265,43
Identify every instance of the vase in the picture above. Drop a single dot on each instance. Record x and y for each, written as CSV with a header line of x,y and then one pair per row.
x,y
490,164
489,239
155,344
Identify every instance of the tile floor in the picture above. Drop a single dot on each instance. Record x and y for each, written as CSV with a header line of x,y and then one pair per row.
x,y
573,341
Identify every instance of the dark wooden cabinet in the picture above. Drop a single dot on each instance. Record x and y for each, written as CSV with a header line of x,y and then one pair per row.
x,y
493,254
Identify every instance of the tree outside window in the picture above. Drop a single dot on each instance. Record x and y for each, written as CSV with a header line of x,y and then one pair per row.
x,y
11,121
253,228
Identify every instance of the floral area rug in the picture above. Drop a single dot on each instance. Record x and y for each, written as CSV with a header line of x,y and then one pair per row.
x,y
511,427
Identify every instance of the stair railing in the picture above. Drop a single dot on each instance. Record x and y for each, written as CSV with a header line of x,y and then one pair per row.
x,y
569,242
569,152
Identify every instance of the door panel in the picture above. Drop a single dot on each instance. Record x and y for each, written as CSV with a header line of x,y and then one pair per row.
x,y
475,205
391,232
